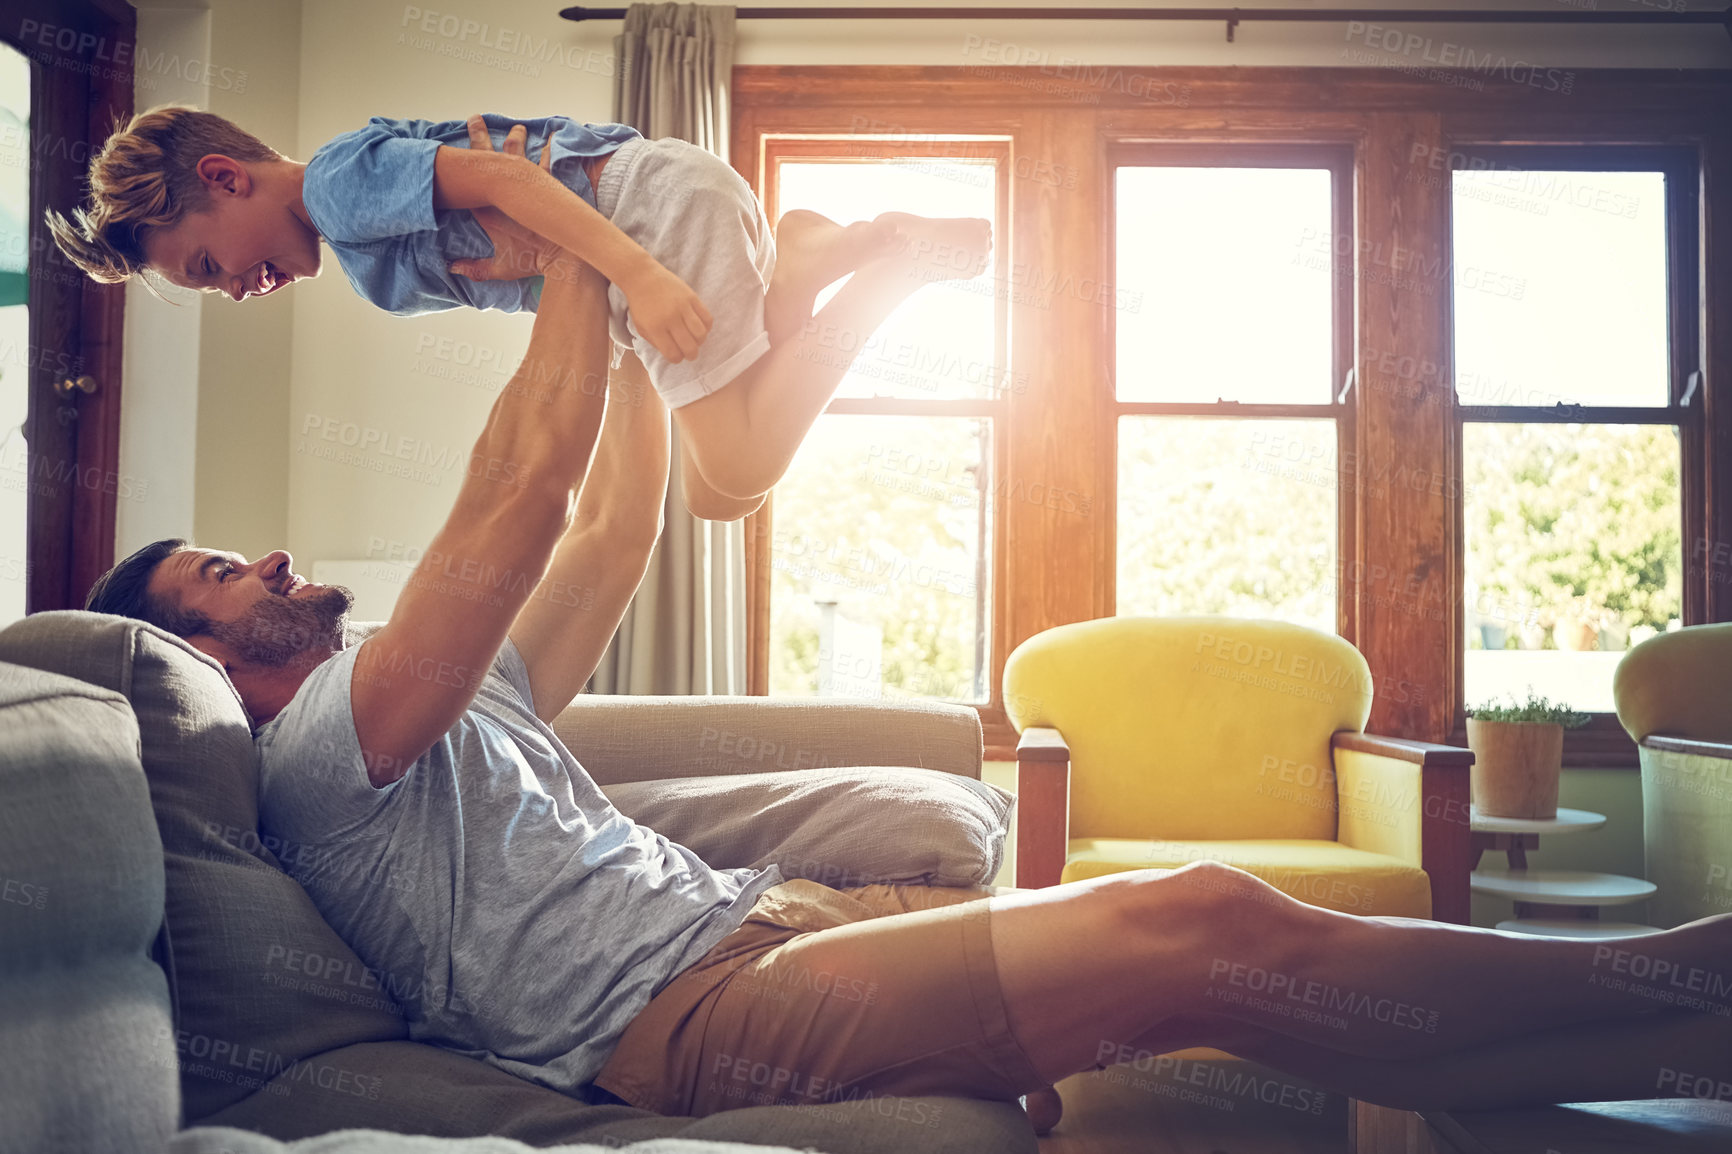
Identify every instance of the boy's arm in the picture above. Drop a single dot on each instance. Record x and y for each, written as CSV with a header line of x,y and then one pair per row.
x,y
416,676
575,611
667,312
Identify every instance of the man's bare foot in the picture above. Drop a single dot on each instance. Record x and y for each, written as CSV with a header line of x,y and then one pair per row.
x,y
813,252
941,248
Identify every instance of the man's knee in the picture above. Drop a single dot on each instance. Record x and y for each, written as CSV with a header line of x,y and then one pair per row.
x,y
1211,902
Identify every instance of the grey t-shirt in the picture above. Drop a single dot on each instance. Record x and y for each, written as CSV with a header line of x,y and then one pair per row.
x,y
509,908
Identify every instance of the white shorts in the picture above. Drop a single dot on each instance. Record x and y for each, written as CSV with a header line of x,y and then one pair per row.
x,y
695,215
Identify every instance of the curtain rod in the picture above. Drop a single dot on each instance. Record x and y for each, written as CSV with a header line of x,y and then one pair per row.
x,y
1232,16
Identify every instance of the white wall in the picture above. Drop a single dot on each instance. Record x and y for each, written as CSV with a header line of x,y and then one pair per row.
x,y
403,399
206,381
159,367
244,349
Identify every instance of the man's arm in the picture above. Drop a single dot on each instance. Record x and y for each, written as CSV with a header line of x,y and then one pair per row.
x,y
665,309
417,675
576,609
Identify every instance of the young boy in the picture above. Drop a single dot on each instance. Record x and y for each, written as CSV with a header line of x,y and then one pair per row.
x,y
199,201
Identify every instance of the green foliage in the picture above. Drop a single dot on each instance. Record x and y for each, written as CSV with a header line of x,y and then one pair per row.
x,y
1231,517
882,514
1536,710
1574,521
1216,516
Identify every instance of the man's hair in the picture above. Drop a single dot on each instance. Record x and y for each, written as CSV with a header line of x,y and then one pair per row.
x,y
145,177
125,590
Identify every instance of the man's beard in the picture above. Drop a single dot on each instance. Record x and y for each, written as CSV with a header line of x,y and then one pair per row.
x,y
278,630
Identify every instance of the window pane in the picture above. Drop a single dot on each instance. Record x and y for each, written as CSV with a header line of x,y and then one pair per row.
x,y
938,344
1225,285
880,560
1225,516
1560,287
1573,555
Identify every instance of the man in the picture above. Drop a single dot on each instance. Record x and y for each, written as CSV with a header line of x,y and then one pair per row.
x,y
461,850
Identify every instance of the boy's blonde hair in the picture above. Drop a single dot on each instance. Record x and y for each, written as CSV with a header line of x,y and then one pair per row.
x,y
146,177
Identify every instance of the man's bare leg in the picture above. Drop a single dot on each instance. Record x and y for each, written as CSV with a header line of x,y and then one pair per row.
x,y
1114,958
743,437
1666,1054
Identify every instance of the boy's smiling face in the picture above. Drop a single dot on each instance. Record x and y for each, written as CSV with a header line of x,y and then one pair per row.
x,y
248,241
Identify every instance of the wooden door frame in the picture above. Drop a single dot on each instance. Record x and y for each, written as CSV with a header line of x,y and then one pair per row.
x,y
81,54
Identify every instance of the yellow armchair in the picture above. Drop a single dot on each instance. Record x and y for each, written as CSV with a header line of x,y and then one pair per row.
x,y
1156,741
1673,698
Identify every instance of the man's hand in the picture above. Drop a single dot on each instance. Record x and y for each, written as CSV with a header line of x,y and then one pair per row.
x,y
665,310
517,251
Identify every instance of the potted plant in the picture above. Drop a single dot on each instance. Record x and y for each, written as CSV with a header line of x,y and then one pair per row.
x,y
1518,755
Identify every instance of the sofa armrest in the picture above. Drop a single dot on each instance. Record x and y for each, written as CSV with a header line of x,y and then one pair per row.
x,y
622,738
1409,799
1042,807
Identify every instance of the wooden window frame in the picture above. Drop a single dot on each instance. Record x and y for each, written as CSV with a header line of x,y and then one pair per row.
x,y
820,145
1061,432
1602,742
1337,160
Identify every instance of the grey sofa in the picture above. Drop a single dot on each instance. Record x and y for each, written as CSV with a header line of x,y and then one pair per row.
x,y
159,971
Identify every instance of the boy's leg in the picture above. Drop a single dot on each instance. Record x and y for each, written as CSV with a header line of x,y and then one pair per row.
x,y
743,436
812,253
702,499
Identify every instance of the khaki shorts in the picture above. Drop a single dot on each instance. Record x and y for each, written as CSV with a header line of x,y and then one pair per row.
x,y
826,995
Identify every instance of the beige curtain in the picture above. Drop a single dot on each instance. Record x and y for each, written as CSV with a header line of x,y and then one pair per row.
x,y
685,631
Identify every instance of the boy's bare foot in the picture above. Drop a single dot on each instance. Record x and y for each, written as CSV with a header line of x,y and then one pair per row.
x,y
812,252
941,248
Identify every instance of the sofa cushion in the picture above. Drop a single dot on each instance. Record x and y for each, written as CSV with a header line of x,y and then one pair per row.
x,y
262,981
85,1058
419,1089
838,827
215,1140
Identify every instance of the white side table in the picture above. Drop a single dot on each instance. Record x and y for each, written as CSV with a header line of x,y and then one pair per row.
x,y
1553,903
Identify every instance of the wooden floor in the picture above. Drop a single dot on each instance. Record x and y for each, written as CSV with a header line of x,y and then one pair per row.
x,y
1196,1108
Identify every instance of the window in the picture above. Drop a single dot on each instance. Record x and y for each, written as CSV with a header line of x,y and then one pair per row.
x,y
1256,354
1235,271
1573,354
882,546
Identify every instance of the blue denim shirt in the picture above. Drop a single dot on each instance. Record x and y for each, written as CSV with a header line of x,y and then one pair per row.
x,y
370,195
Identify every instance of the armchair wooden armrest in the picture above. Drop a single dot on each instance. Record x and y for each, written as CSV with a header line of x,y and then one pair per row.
x,y
1426,754
1042,807
1684,745
1409,799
